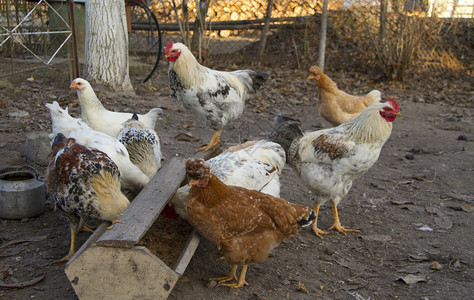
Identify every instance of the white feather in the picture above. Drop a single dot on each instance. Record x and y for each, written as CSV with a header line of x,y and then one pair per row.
x,y
103,120
131,177
256,167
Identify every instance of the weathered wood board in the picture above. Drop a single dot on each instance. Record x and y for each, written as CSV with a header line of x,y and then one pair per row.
x,y
145,208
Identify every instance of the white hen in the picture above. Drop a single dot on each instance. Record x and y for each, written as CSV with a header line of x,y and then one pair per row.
x,y
131,177
329,160
101,119
255,165
143,145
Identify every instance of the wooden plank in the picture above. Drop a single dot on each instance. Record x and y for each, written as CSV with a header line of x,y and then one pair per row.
x,y
145,208
119,273
188,252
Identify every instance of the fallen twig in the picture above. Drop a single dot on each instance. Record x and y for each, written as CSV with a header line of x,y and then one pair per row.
x,y
25,240
427,180
23,284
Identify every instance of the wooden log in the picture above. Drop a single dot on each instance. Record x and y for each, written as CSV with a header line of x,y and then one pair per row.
x,y
145,208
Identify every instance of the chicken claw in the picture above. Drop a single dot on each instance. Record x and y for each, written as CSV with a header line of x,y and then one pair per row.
x,y
342,229
215,140
114,222
337,224
241,281
318,231
87,228
314,226
232,276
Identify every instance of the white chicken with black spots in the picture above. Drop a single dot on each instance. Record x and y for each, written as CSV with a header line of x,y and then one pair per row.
x,y
214,97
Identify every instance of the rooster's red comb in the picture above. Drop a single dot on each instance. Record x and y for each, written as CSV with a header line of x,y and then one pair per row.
x,y
168,47
393,103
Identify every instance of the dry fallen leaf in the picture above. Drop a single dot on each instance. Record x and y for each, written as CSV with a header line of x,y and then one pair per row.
x,y
377,238
444,222
467,207
185,137
436,265
260,108
302,288
411,279
5,270
402,202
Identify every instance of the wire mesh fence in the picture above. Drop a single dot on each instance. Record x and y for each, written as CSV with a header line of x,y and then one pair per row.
x,y
37,31
32,32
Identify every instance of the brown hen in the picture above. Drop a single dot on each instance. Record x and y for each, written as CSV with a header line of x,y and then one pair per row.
x,y
336,106
245,225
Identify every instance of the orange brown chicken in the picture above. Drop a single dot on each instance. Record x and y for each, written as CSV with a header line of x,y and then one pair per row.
x,y
336,106
245,225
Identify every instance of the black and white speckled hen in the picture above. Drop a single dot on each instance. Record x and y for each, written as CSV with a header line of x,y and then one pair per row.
x,y
214,97
143,145
244,224
85,184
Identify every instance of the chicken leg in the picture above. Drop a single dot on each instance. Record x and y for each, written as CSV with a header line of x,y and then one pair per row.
x,y
232,276
72,248
241,281
314,226
337,225
215,140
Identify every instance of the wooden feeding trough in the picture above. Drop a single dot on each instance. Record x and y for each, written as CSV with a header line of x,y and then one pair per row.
x,y
123,262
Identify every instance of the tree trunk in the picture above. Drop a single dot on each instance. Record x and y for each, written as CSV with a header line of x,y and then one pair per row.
x,y
322,36
106,45
263,37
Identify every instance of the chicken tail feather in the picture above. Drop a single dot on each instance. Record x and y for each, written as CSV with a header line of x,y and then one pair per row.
x,y
308,221
258,79
286,129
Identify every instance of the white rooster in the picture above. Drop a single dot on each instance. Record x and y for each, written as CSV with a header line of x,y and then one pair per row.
x,y
329,160
101,119
131,177
214,97
255,165
143,145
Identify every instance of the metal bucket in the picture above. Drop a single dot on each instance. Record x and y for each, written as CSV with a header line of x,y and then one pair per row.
x,y
22,192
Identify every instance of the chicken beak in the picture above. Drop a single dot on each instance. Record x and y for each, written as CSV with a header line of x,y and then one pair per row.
x,y
193,182
166,57
73,85
398,114
311,76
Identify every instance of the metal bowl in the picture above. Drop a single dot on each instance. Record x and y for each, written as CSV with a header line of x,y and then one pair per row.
x,y
22,192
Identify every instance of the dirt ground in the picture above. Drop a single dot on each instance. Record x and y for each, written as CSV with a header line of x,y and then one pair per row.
x,y
413,207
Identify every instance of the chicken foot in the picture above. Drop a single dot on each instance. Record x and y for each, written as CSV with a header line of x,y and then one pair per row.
x,y
215,140
337,224
241,281
314,226
232,275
